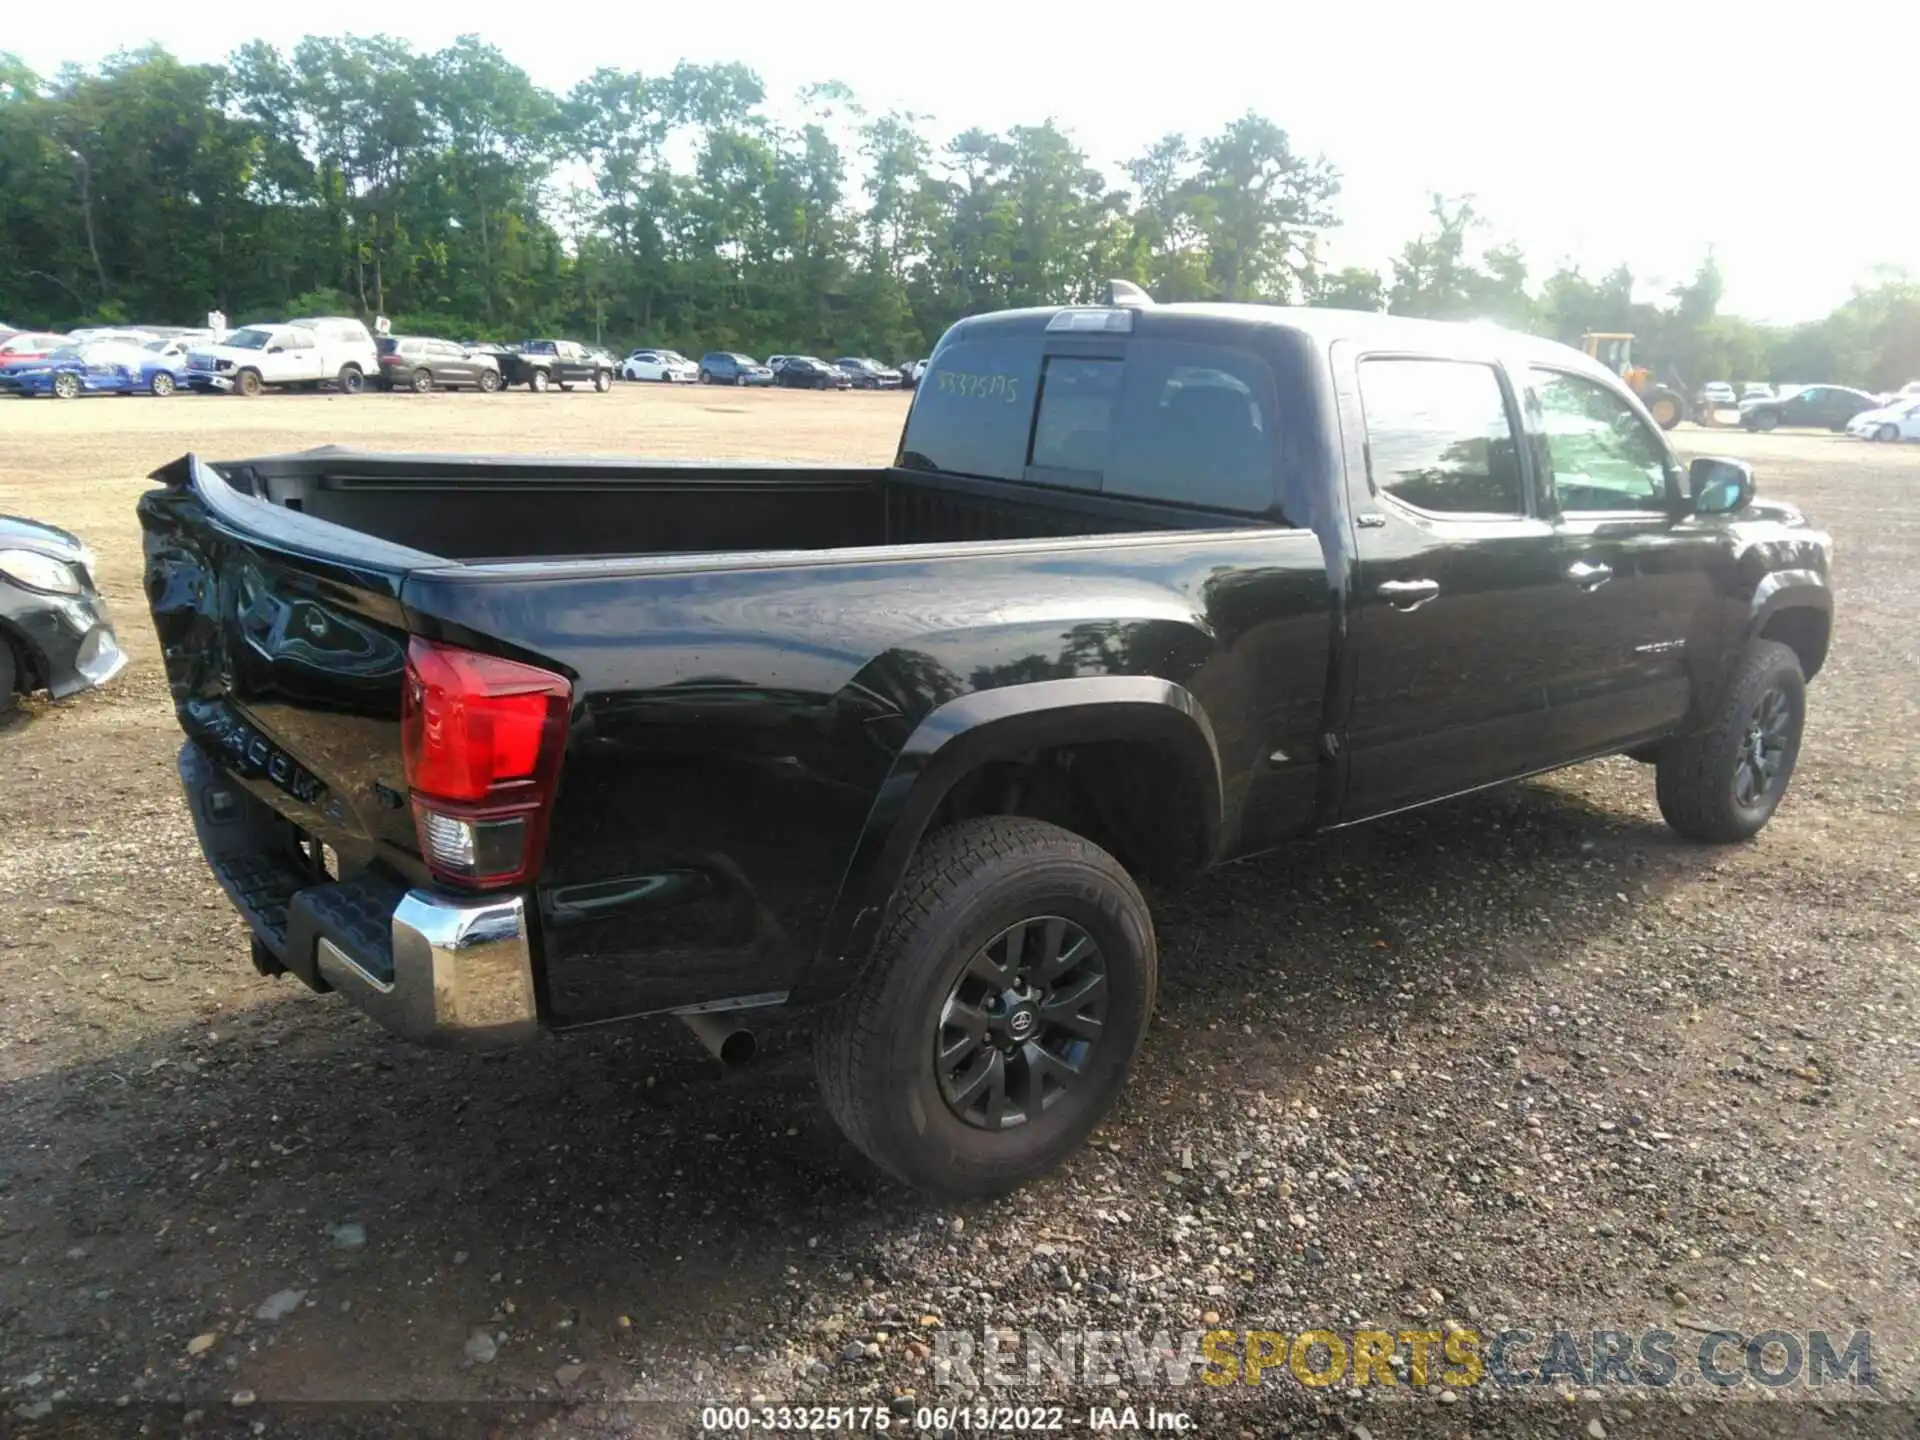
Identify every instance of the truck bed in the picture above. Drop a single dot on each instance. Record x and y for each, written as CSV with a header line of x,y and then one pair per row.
x,y
476,510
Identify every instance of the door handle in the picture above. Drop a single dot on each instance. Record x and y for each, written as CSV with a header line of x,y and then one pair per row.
x,y
1589,577
1408,594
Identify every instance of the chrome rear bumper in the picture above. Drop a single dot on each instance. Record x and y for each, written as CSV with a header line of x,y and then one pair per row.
x,y
437,968
461,971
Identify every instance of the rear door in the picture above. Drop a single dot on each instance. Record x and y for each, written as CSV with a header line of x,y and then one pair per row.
x,y
452,364
1454,563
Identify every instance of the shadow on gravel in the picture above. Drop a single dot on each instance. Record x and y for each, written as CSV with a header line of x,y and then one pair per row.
x,y
603,1200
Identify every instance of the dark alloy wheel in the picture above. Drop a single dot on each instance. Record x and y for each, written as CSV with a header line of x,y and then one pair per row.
x,y
995,1021
1021,1022
1764,748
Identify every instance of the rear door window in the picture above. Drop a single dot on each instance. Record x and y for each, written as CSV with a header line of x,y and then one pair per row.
x,y
1440,437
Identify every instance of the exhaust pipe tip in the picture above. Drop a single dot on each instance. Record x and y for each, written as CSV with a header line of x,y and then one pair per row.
x,y
728,1041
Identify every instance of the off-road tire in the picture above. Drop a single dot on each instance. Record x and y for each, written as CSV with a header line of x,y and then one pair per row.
x,y
874,1047
1695,778
351,380
248,383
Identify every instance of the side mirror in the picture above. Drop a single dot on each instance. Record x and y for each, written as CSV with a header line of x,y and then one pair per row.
x,y
276,349
1719,486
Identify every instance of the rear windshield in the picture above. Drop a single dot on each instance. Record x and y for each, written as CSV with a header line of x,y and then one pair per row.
x,y
1173,422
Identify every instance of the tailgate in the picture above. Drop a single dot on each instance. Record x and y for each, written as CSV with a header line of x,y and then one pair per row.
x,y
285,646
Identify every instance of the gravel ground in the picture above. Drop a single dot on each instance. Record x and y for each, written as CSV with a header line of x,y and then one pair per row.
x,y
1525,1060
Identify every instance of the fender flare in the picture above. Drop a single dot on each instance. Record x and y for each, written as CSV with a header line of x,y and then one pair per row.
x,y
1789,590
979,728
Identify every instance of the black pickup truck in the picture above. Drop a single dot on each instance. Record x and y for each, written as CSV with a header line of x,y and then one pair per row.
x,y
490,745
542,365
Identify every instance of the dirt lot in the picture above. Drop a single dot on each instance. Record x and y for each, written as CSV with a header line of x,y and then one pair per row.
x,y
1526,1060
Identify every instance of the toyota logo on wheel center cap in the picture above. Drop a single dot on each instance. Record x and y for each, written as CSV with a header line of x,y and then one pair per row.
x,y
1019,1023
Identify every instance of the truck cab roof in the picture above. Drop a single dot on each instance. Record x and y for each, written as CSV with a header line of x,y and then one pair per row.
x,y
1215,321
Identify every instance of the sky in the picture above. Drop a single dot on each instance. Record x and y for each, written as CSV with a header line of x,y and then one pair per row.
x,y
1591,133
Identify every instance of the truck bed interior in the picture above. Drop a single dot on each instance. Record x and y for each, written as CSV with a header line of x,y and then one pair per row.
x,y
521,508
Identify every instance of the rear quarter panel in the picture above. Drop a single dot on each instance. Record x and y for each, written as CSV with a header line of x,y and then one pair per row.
x,y
733,728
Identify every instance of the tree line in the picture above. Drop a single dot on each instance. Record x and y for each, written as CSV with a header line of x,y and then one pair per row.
x,y
451,193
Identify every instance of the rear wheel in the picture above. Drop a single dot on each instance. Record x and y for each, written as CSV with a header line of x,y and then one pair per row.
x,y
422,381
247,383
352,382
1724,783
1003,1005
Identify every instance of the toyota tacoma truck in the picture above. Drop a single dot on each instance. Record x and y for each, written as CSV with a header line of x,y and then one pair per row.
x,y
491,746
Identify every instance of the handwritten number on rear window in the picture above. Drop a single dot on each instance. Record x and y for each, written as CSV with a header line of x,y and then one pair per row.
x,y
971,386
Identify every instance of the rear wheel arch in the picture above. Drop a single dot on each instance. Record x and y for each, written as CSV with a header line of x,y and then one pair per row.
x,y
1128,762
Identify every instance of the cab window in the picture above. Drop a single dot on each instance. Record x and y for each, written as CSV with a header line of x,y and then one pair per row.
x,y
1600,455
1439,436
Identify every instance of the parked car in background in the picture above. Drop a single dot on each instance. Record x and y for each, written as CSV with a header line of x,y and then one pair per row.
x,y
55,634
868,374
774,362
911,372
664,366
727,367
29,345
165,366
421,363
1898,421
299,353
1718,392
543,365
1755,390
806,372
1828,407
96,367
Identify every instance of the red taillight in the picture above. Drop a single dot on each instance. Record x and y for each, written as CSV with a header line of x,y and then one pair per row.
x,y
391,360
482,738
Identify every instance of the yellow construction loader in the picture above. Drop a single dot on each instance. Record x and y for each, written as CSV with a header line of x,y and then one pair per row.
x,y
1615,351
